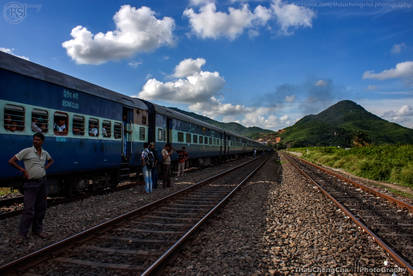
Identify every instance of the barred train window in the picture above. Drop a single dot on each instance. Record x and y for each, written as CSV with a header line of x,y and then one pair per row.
x,y
142,133
117,130
161,134
60,126
40,120
78,125
201,139
107,128
195,139
13,118
188,138
180,137
93,127
210,140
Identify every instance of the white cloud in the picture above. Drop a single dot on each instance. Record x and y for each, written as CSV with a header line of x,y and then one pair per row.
x,y
200,2
321,83
292,16
134,64
137,30
193,86
215,108
397,48
188,67
284,118
371,87
210,23
290,98
404,115
11,52
403,70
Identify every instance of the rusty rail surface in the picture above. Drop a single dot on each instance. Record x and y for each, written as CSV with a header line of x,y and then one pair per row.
x,y
27,261
400,260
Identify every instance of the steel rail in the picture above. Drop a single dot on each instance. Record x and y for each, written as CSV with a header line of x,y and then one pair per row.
x,y
399,259
11,201
164,257
365,188
24,262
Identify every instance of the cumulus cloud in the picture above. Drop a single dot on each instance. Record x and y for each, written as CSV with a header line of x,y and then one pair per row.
x,y
403,70
321,83
200,2
11,52
210,23
215,108
291,16
189,67
404,115
192,85
137,30
398,48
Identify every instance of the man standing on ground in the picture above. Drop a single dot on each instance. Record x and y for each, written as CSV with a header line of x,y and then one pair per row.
x,y
35,185
147,165
166,165
182,157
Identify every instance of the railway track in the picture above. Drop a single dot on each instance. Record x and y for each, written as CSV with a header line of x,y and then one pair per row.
x,y
139,241
387,220
14,206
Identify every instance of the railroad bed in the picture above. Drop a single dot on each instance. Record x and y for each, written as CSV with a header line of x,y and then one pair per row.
x,y
132,242
389,224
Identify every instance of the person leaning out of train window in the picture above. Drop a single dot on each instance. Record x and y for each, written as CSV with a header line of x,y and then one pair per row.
x,y
60,127
35,125
93,131
166,165
10,124
35,186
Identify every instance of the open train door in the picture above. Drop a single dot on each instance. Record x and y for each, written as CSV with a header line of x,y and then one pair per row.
x,y
127,117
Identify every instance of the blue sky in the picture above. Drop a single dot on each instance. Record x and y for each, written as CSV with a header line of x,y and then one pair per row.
x,y
262,63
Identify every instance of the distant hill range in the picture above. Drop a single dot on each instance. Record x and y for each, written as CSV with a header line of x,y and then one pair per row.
x,y
251,132
344,124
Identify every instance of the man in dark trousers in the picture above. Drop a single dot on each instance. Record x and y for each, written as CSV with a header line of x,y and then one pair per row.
x,y
35,185
166,165
155,168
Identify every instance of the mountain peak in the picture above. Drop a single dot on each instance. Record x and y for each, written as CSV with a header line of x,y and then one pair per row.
x,y
343,123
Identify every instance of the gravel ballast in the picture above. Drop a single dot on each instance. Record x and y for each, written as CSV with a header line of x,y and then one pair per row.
x,y
280,226
68,219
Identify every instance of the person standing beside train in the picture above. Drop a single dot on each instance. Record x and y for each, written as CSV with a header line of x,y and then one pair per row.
x,y
166,165
147,165
35,185
182,157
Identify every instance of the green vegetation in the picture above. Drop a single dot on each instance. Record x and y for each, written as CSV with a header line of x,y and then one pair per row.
x,y
251,132
345,124
5,191
389,163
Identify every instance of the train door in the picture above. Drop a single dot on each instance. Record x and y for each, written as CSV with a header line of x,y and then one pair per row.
x,y
169,130
127,117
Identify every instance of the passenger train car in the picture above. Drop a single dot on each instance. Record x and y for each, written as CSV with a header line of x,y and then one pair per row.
x,y
91,132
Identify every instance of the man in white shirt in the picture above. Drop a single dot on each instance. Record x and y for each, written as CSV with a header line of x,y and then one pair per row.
x,y
35,185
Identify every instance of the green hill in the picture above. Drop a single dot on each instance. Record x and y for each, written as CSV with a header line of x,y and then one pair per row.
x,y
251,132
345,124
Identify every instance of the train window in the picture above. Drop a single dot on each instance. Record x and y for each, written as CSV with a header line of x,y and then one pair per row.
x,y
188,138
60,125
78,125
93,127
143,119
201,139
13,117
180,137
142,134
106,128
160,134
40,120
195,139
117,130
210,140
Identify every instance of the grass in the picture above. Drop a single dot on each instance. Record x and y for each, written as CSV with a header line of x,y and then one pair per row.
x,y
5,191
388,163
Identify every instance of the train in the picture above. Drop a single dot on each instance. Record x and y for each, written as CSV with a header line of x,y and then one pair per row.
x,y
95,135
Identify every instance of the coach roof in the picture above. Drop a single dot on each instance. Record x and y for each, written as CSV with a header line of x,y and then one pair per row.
x,y
33,70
